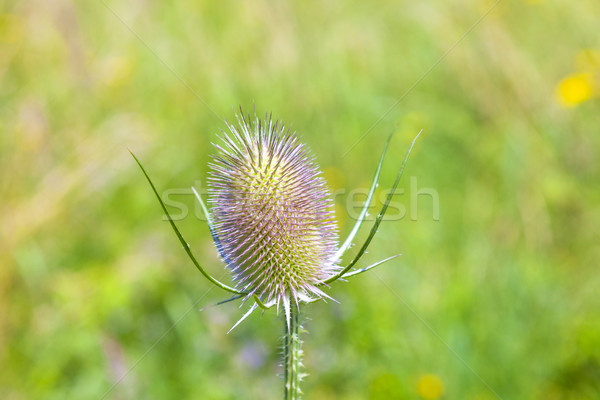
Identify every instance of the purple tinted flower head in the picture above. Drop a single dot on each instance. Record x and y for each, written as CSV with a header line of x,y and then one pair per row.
x,y
273,218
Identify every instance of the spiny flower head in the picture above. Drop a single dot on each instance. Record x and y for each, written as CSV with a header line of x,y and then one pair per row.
x,y
274,224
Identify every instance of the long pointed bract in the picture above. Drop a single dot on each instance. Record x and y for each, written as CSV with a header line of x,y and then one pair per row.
x,y
239,296
204,209
254,307
365,269
186,247
211,228
378,220
363,213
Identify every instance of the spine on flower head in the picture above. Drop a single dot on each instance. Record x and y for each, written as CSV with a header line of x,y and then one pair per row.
x,y
273,215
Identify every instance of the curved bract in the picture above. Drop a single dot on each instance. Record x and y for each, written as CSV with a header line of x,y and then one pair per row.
x,y
379,217
363,213
185,245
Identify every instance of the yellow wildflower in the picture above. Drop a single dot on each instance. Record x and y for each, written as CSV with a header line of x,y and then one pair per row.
x,y
430,387
575,89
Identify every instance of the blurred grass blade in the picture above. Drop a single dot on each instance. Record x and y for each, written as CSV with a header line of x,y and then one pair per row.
x,y
363,213
379,218
186,247
360,271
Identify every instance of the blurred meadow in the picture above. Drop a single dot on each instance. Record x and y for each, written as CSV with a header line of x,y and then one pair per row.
x,y
500,294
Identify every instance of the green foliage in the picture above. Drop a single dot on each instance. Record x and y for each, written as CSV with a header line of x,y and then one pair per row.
x,y
93,279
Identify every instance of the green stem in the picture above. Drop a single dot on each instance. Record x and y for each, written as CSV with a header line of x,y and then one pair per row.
x,y
292,356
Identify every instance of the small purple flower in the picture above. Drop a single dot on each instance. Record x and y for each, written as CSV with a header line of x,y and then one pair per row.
x,y
272,214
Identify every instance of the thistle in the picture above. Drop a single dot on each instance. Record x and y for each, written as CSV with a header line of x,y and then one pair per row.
x,y
272,213
271,218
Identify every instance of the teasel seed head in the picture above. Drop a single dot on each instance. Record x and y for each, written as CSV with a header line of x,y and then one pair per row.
x,y
274,224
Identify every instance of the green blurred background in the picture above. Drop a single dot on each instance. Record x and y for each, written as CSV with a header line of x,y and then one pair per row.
x,y
504,286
